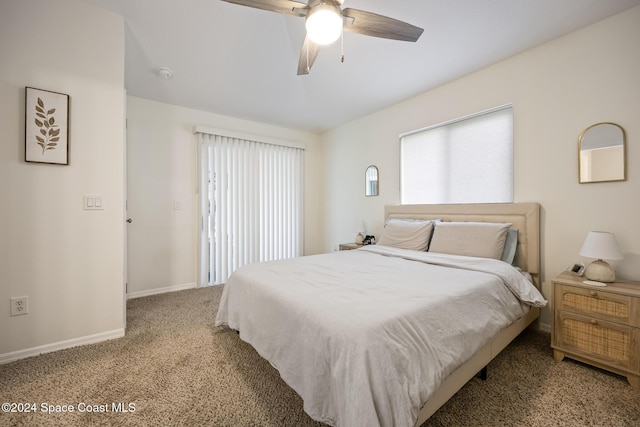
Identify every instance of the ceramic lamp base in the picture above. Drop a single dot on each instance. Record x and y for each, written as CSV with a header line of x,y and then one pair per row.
x,y
600,271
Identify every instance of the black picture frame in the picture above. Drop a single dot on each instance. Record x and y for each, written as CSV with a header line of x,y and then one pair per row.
x,y
46,136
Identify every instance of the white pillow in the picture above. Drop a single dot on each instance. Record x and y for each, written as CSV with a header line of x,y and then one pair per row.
x,y
410,234
479,239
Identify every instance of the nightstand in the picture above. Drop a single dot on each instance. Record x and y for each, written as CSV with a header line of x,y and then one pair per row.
x,y
598,325
348,246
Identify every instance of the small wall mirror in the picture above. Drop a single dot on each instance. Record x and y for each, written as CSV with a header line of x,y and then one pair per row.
x,y
371,181
601,154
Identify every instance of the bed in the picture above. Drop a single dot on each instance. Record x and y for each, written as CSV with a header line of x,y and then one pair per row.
x,y
386,334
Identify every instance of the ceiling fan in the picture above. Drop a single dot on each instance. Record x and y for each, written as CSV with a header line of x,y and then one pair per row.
x,y
326,20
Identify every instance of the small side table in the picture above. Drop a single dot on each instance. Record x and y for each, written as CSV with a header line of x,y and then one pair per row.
x,y
598,325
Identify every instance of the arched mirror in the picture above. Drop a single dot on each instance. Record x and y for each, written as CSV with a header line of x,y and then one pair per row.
x,y
601,154
371,181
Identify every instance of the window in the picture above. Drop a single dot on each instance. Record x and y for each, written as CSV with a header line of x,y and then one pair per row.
x,y
467,160
251,202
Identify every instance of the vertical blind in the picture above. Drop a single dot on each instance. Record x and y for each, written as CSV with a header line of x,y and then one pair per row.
x,y
467,160
251,201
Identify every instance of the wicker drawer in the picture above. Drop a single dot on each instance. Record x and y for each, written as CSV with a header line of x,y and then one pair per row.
x,y
606,342
599,326
600,304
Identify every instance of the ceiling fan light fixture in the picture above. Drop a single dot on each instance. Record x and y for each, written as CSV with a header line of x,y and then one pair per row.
x,y
324,24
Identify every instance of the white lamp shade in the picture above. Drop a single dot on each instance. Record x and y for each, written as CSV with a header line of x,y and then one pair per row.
x,y
324,24
601,245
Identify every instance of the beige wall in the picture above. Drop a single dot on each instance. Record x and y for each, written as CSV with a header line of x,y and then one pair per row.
x,y
161,147
68,261
557,90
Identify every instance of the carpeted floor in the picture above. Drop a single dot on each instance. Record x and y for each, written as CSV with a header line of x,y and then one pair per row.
x,y
174,368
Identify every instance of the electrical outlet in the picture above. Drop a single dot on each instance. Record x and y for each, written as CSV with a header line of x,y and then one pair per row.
x,y
19,306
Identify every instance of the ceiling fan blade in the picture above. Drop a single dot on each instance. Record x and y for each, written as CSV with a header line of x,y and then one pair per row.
x,y
372,24
308,56
287,7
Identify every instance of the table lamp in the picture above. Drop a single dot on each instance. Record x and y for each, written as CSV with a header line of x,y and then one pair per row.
x,y
600,245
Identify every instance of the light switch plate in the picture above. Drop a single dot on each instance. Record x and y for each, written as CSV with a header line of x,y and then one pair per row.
x,y
93,202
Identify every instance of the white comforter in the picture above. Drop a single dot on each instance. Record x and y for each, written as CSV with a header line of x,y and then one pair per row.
x,y
366,336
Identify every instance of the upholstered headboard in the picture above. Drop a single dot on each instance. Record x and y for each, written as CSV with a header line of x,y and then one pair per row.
x,y
523,216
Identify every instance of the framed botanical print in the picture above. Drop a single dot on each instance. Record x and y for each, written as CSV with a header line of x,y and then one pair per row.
x,y
46,137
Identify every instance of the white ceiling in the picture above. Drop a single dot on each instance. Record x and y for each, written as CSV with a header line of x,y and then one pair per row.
x,y
242,62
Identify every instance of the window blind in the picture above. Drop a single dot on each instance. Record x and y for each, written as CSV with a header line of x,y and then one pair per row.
x,y
468,160
251,203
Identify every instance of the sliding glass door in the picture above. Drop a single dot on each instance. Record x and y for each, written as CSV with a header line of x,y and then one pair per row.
x,y
251,203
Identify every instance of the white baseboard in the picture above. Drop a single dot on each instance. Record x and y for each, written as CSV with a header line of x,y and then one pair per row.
x,y
544,327
173,288
48,348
